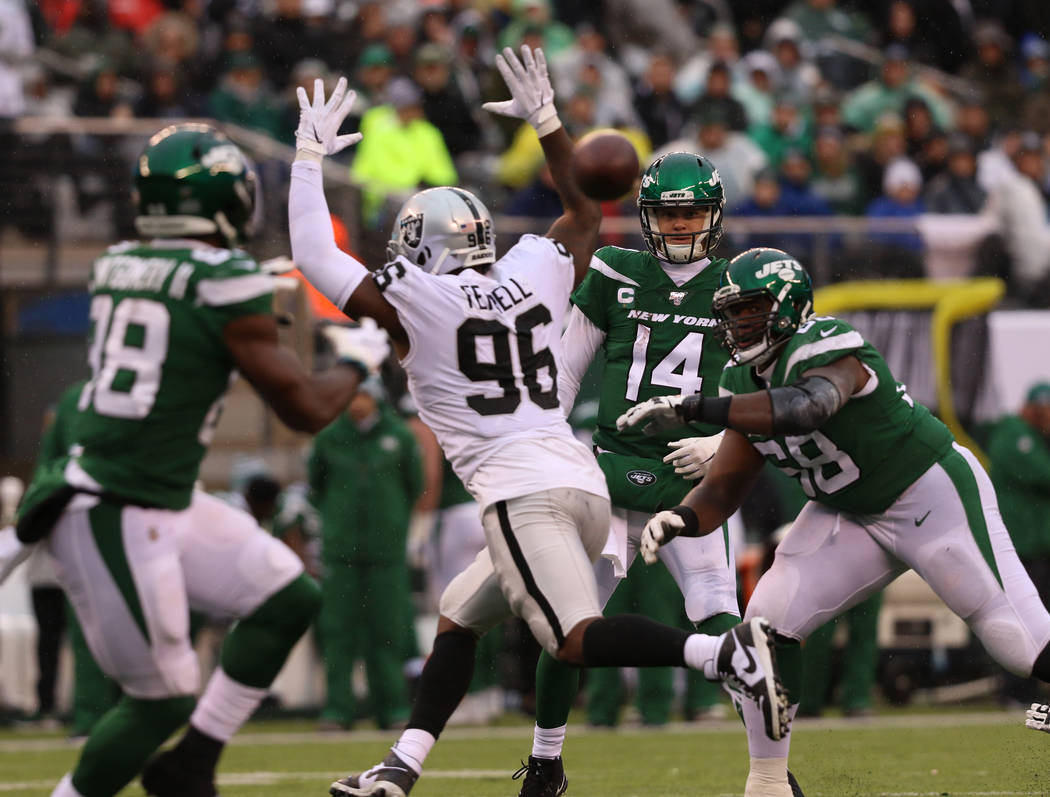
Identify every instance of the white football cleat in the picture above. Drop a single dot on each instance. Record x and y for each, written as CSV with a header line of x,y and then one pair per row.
x,y
746,663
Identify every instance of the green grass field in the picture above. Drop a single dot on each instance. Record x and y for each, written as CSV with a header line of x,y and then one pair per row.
x,y
914,753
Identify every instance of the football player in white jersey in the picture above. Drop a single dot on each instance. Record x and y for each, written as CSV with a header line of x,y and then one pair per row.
x,y
480,341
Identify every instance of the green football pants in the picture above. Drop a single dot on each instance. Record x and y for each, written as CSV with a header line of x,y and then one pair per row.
x,y
364,610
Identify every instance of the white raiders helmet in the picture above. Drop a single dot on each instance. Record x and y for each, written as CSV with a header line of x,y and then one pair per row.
x,y
443,230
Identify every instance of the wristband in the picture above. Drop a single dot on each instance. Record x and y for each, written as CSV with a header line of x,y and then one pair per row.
x,y
307,154
688,516
701,409
546,121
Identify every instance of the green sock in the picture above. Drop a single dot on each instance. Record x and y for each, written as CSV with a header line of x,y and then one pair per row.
x,y
717,624
255,650
123,739
556,687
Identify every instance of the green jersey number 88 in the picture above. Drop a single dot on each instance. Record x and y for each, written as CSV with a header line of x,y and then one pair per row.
x,y
128,351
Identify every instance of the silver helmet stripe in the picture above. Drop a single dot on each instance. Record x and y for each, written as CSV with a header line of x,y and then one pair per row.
x,y
479,226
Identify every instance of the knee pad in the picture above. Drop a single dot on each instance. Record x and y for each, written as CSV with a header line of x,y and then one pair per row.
x,y
1004,637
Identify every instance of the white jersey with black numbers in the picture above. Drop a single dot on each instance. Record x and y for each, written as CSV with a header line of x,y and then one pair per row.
x,y
483,369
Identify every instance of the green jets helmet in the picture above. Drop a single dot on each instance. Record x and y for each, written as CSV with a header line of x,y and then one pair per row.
x,y
763,297
192,181
681,179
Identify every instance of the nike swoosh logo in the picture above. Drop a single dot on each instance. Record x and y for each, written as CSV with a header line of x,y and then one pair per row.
x,y
751,665
825,332
920,521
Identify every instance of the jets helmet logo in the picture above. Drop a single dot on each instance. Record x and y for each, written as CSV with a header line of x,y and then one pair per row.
x,y
223,158
785,269
412,230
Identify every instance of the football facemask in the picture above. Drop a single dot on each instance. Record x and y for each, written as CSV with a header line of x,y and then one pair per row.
x,y
763,297
681,180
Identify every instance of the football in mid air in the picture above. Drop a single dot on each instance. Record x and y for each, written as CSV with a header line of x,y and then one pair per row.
x,y
605,165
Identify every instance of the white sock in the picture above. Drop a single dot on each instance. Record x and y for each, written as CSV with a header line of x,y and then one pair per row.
x,y
547,742
700,652
413,747
767,778
65,787
225,706
759,745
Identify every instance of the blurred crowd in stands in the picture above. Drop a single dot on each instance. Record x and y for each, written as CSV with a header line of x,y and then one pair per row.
x,y
879,108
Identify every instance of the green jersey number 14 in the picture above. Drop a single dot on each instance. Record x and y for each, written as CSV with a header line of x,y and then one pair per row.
x,y
126,356
679,369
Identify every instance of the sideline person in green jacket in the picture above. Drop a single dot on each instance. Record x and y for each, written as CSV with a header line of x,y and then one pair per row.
x,y
1019,460
365,475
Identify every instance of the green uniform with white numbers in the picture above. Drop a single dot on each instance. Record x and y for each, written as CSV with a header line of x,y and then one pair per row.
x,y
889,490
659,341
868,452
148,413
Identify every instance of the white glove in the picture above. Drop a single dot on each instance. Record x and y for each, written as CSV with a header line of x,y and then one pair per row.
x,y
366,345
1038,717
692,456
658,414
318,131
420,530
532,97
661,528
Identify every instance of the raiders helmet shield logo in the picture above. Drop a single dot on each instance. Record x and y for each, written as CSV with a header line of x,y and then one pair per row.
x,y
412,230
677,297
642,478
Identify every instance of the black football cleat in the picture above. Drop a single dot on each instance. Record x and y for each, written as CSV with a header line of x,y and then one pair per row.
x,y
169,774
544,777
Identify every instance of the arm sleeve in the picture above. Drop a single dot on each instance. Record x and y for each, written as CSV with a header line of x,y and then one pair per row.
x,y
579,344
333,272
804,406
590,295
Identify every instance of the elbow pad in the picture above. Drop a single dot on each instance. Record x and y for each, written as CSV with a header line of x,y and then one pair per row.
x,y
804,406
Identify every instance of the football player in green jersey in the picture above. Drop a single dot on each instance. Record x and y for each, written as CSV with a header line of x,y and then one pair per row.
x,y
889,487
649,312
174,315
